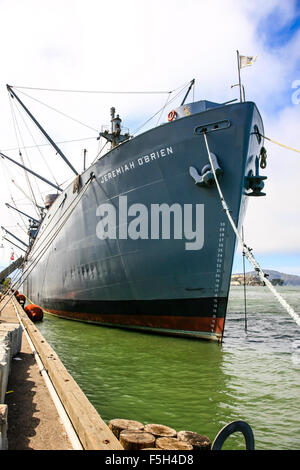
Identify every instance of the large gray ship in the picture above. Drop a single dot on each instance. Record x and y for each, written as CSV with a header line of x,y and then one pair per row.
x,y
140,239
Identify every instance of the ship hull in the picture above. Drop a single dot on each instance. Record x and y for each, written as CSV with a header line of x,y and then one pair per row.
x,y
180,317
129,273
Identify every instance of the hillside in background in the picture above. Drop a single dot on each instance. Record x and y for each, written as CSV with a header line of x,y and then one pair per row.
x,y
275,277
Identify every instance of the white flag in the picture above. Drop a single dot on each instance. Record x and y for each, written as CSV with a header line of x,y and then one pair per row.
x,y
247,60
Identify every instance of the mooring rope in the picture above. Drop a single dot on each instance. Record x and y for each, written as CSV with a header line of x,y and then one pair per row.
x,y
278,143
245,248
245,290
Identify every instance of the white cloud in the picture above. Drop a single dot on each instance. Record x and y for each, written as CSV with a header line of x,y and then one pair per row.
x,y
273,222
139,45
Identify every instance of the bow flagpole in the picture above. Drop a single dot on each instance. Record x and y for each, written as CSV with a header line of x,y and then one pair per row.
x,y
239,73
243,61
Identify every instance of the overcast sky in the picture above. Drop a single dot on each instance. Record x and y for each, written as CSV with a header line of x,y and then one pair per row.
x,y
157,45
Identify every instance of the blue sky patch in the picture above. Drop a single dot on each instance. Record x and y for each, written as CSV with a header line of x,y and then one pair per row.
x,y
275,33
288,263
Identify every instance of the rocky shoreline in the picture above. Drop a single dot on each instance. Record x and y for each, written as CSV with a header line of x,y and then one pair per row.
x,y
251,279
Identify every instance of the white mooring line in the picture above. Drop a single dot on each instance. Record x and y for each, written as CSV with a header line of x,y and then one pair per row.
x,y
247,252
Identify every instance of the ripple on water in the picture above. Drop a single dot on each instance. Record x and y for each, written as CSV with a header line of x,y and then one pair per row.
x,y
195,385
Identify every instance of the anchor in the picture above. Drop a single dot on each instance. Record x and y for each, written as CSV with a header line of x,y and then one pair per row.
x,y
206,178
255,182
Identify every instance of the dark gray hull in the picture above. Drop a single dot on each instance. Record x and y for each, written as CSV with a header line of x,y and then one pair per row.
x,y
152,284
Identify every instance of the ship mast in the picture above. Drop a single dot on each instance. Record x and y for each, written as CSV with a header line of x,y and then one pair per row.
x,y
189,89
12,243
21,212
14,236
114,136
13,94
31,171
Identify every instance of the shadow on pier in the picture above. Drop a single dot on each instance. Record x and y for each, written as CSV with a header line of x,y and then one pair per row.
x,y
21,390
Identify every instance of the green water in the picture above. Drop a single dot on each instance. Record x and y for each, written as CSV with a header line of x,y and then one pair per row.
x,y
195,385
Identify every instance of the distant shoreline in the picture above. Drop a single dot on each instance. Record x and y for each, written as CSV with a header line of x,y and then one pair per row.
x,y
277,278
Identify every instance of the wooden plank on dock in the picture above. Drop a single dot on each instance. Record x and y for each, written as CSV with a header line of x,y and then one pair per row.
x,y
92,431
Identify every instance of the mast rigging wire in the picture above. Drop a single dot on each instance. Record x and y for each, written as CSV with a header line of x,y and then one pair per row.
x,y
161,109
17,128
47,144
20,153
6,170
43,245
115,92
106,92
60,112
181,88
41,154
248,254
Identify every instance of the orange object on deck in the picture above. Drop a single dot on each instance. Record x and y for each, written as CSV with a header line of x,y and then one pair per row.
x,y
21,298
34,312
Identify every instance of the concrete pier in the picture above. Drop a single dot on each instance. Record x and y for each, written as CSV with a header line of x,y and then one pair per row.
x,y
29,419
